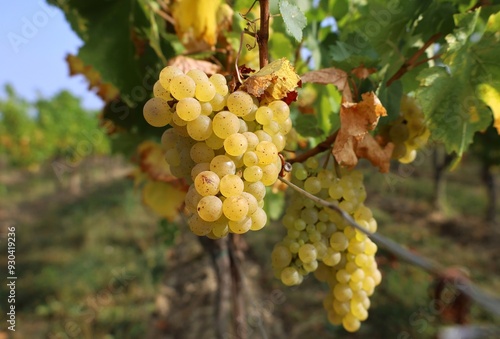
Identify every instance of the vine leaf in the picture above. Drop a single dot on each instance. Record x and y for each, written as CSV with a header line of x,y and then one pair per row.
x,y
294,19
353,140
379,156
163,193
198,23
186,64
331,75
362,72
307,125
163,198
273,82
449,96
106,91
151,161
491,97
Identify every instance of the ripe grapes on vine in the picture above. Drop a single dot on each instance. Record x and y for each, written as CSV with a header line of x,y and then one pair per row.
x,y
225,145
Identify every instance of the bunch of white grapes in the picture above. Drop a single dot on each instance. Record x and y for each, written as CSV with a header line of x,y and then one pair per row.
x,y
408,132
225,144
318,240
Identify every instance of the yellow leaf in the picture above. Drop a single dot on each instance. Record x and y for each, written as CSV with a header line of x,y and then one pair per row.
x,y
491,97
273,82
197,21
163,198
151,160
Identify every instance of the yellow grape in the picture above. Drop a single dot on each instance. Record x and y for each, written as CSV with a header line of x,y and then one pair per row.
x,y
157,112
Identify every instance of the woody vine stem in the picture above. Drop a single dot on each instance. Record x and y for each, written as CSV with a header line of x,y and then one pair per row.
x,y
263,33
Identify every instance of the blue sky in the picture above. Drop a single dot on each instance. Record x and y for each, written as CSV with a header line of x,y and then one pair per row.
x,y
34,40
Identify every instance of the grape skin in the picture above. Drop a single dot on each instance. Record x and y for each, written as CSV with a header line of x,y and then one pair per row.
x,y
209,208
157,112
182,86
235,208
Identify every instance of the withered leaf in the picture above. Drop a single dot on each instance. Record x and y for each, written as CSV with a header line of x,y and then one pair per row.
x,y
151,161
379,156
273,82
186,64
353,140
332,75
362,72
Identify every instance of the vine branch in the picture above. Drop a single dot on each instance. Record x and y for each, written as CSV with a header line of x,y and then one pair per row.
x,y
321,147
489,302
263,33
412,61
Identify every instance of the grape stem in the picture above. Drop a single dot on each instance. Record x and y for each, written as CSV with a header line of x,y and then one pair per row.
x,y
486,300
321,147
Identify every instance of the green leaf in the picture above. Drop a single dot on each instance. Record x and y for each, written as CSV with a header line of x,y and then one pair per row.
x,y
353,51
466,24
311,43
116,43
280,46
454,98
391,99
437,18
294,19
307,125
274,204
453,111
328,114
339,9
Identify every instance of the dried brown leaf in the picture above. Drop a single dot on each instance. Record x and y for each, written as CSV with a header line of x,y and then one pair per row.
x,y
353,140
333,76
186,64
151,161
106,91
379,156
362,72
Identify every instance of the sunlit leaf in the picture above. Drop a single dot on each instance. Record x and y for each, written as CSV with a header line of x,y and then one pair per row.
x,y
273,82
332,75
357,119
294,19
491,96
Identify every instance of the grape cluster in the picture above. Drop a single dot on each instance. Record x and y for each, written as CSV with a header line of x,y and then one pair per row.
x,y
408,132
225,144
319,240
